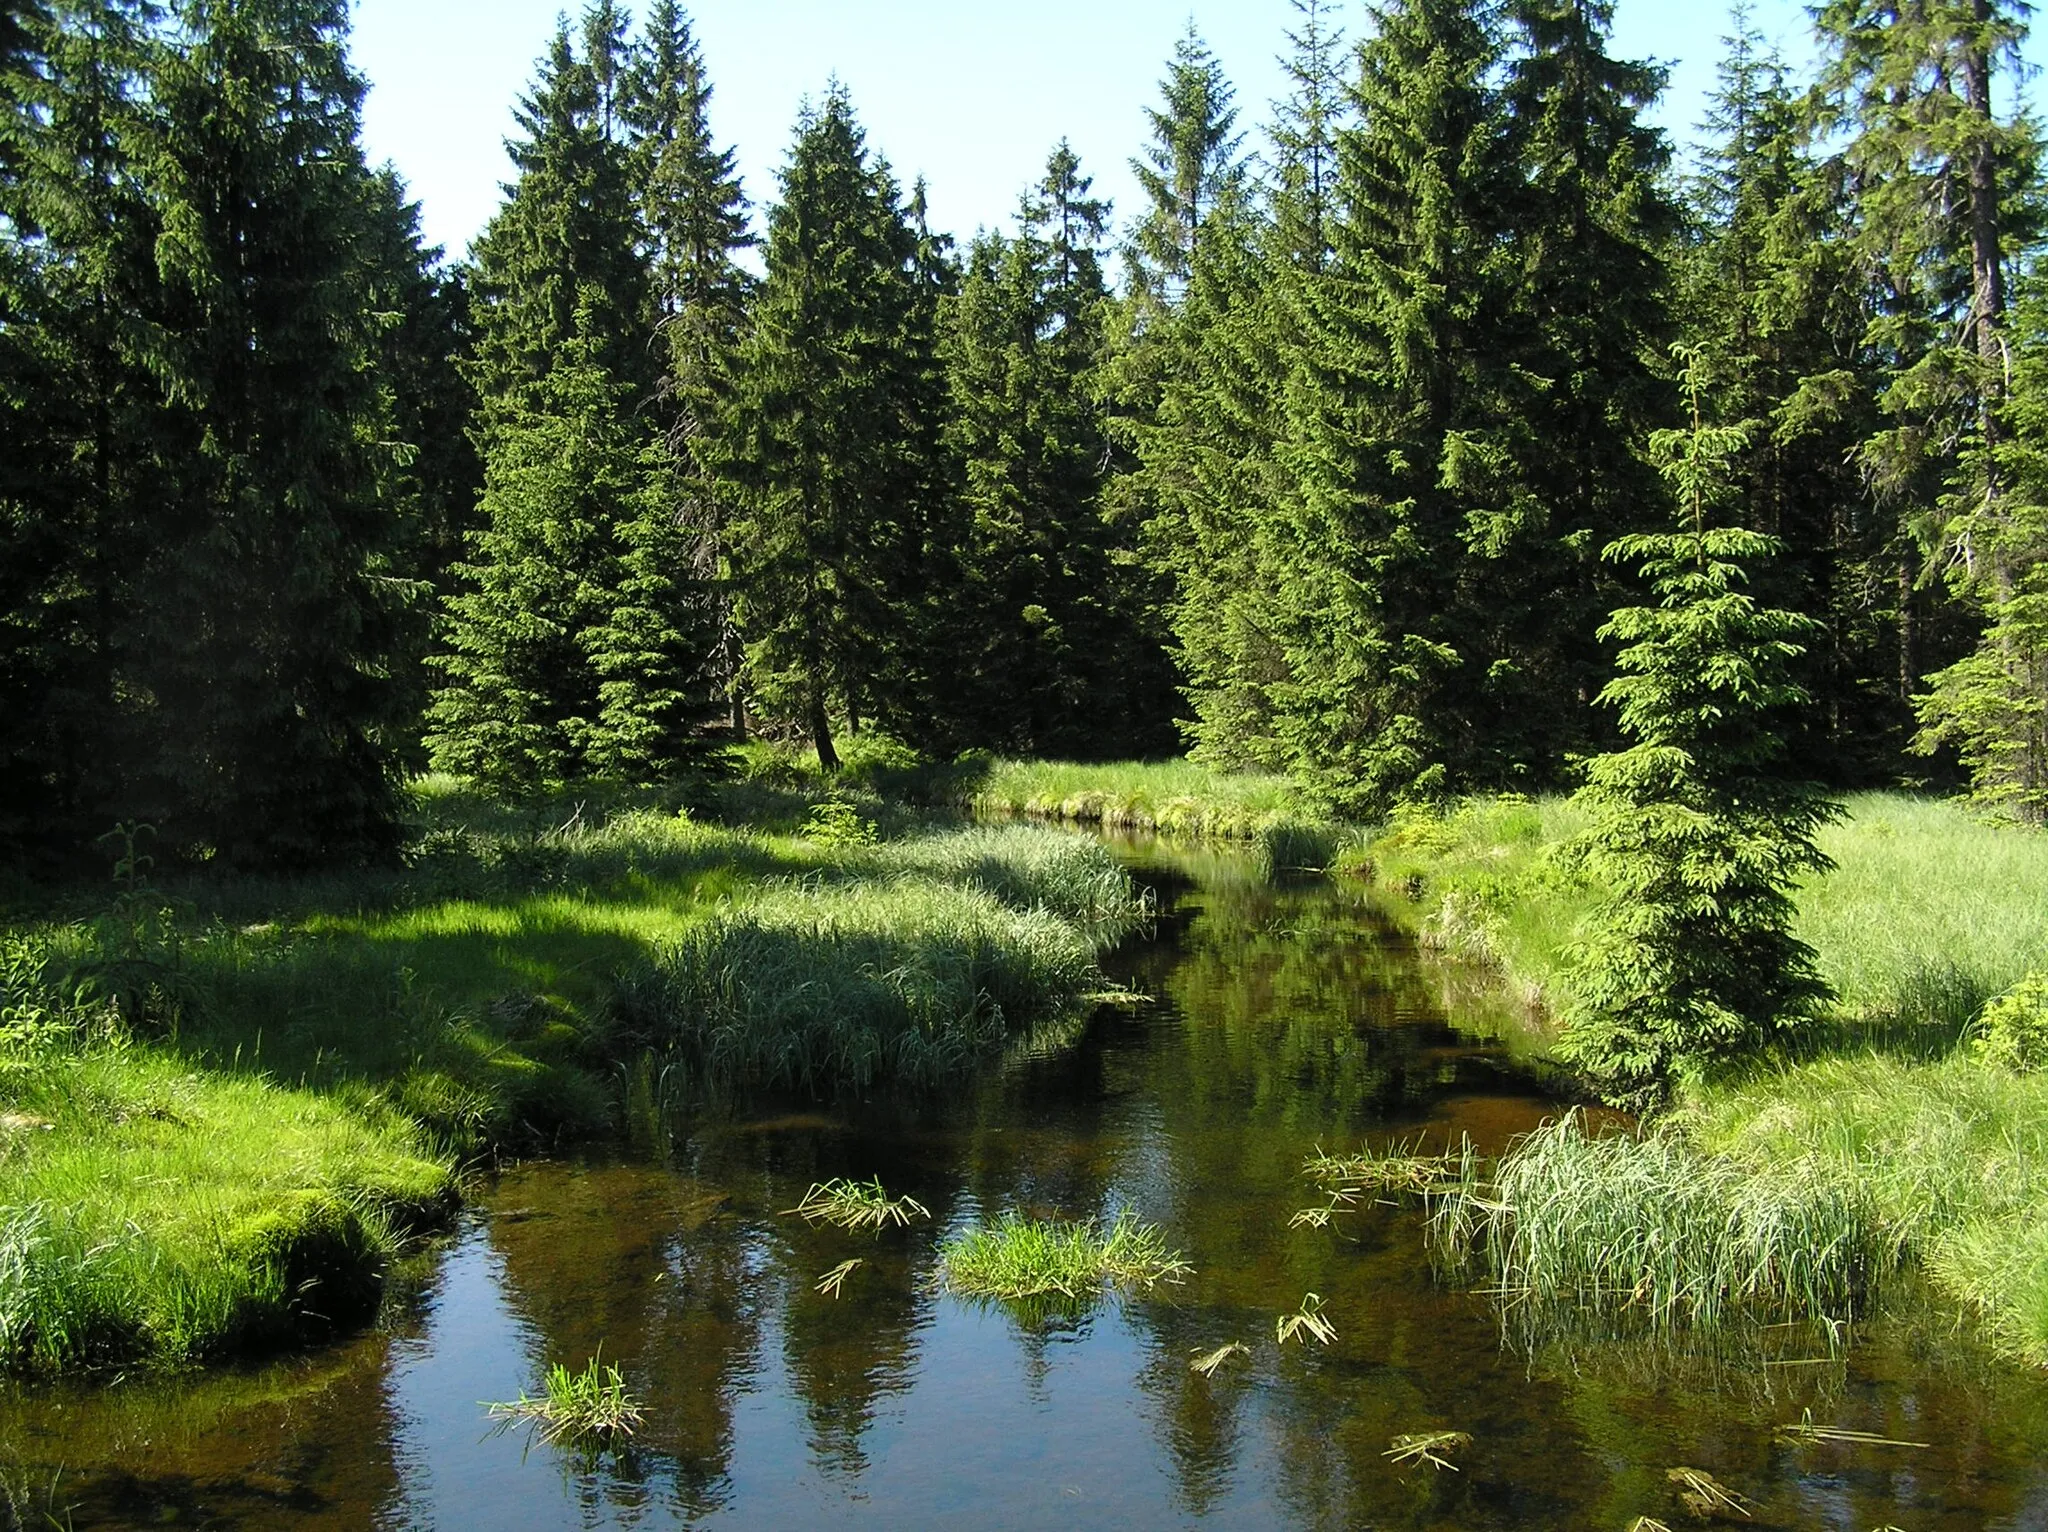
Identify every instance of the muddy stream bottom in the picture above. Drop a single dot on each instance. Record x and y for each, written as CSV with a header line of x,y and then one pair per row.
x,y
1282,1019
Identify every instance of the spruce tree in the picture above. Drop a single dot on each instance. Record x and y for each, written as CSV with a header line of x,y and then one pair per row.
x,y
1991,706
1192,164
828,453
566,467
1773,290
1698,837
79,411
567,235
693,218
1399,415
270,623
1590,224
1038,624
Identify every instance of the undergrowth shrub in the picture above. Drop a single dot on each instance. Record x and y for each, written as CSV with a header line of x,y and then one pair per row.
x,y
2013,1033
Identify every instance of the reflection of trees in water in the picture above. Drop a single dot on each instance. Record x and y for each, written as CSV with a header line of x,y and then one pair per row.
x,y
645,1264
846,1355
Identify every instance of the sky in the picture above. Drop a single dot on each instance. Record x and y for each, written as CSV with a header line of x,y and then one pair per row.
x,y
970,94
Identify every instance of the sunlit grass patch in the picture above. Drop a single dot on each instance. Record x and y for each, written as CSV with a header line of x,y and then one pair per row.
x,y
165,1215
1172,797
589,1409
1026,867
826,987
1652,1229
849,1204
1019,1259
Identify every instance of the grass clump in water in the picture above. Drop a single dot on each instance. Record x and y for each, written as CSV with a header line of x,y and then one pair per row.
x,y
1022,1259
1652,1230
849,1204
590,1409
1431,1447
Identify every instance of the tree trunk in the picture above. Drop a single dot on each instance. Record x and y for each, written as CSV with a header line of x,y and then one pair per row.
x,y
821,732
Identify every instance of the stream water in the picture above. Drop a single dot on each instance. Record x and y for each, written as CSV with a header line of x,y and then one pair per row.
x,y
1283,1018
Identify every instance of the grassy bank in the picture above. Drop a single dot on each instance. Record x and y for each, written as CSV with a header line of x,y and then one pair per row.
x,y
1883,1135
1177,798
224,1103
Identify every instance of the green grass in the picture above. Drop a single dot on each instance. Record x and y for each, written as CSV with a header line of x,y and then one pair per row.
x,y
152,1212
1021,1260
1883,1133
264,1083
824,986
1929,914
1951,1156
1171,797
590,1409
1654,1230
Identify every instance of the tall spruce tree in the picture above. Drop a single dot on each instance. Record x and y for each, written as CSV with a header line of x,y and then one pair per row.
x,y
264,645
568,235
693,216
78,409
829,454
1944,186
576,643
1192,165
1040,626
1590,223
1698,837
1773,290
1396,432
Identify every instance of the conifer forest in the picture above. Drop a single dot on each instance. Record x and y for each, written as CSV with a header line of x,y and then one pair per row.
x,y
568,718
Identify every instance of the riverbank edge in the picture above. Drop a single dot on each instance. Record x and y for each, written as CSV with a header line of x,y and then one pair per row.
x,y
263,1195
1930,915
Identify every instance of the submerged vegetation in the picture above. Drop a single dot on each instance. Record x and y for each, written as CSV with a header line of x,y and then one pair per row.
x,y
1021,1260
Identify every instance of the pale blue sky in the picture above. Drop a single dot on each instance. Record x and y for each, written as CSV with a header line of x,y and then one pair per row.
x,y
971,94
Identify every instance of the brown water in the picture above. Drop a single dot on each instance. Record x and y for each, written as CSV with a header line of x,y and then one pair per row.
x,y
1285,1018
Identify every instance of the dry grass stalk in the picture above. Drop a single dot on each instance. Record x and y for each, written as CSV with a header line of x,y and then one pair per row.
x,y
1206,1363
1805,1433
1308,1320
1431,1447
1700,1493
833,1280
850,1204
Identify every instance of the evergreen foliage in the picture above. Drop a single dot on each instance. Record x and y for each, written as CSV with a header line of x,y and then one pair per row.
x,y
835,415
1697,836
1046,634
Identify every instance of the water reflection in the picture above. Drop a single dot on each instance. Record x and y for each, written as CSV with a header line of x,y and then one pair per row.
x,y
1285,1018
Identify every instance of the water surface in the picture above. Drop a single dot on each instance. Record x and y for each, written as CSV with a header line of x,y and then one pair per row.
x,y
1283,1019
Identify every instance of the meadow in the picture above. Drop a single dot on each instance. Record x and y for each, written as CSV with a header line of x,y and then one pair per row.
x,y
1897,1127
226,1104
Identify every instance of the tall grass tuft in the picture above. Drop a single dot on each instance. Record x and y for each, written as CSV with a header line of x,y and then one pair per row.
x,y
1651,1230
590,1409
1027,868
821,987
1019,1259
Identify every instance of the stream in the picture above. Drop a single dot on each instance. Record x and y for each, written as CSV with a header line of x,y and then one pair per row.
x,y
1281,1018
